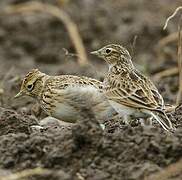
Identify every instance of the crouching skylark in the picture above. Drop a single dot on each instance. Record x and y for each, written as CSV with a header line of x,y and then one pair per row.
x,y
63,96
128,90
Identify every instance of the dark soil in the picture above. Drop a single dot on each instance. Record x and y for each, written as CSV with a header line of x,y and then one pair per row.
x,y
85,151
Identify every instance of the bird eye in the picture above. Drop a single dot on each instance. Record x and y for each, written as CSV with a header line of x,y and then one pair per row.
x,y
108,51
29,87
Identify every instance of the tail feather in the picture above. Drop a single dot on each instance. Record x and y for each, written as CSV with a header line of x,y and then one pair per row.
x,y
163,115
162,119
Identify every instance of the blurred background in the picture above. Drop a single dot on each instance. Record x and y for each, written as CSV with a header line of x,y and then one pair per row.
x,y
56,37
37,39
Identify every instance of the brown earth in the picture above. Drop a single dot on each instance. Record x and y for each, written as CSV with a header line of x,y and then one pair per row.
x,y
85,151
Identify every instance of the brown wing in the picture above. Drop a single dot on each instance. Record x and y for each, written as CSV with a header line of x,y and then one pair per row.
x,y
134,90
150,85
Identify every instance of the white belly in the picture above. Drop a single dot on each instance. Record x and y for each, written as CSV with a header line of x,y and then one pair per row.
x,y
72,100
121,109
65,112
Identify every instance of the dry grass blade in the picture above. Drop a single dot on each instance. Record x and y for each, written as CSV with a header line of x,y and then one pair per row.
x,y
24,174
170,17
133,45
164,42
179,95
166,73
168,39
61,15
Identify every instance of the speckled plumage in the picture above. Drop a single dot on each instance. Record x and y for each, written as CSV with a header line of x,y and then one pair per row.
x,y
127,89
63,96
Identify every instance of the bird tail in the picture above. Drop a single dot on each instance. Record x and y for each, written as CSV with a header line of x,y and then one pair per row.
x,y
163,120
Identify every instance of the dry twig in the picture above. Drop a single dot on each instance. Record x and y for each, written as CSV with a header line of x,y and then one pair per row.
x,y
170,17
166,73
133,45
68,54
61,15
170,38
179,95
24,174
166,40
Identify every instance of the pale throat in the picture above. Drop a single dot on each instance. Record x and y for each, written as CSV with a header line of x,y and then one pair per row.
x,y
122,62
111,66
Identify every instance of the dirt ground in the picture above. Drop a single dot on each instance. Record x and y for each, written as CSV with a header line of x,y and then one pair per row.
x,y
84,151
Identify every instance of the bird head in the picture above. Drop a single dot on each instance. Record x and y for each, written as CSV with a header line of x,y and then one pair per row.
x,y
113,54
32,84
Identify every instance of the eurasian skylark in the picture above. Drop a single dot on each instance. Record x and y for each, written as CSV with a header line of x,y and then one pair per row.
x,y
128,90
63,96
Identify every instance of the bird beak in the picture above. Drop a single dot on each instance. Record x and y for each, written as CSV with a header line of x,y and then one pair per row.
x,y
97,53
19,94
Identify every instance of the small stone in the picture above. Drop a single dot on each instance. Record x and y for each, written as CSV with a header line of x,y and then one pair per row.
x,y
52,122
37,128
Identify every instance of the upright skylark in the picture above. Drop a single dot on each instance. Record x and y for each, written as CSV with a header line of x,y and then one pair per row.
x,y
63,96
128,90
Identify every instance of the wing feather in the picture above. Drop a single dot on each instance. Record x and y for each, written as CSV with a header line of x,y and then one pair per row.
x,y
135,91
